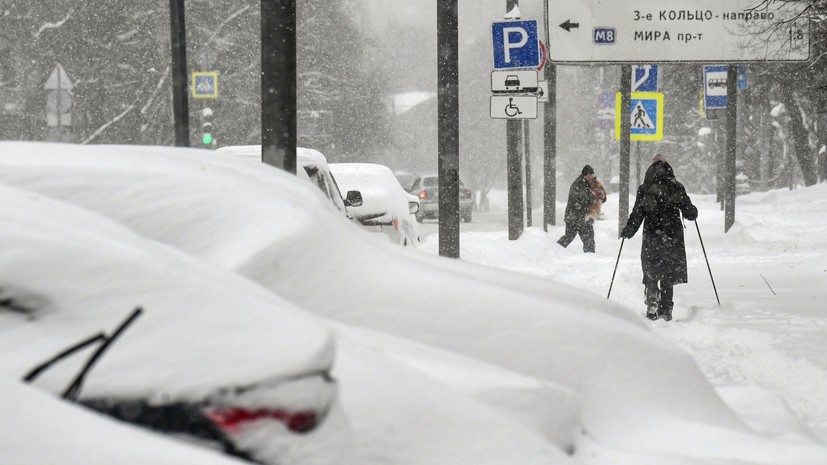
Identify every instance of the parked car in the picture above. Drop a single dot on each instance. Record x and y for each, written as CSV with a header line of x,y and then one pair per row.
x,y
386,207
427,189
313,167
39,428
159,339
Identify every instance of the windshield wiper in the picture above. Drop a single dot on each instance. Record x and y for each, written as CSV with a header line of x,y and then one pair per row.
x,y
72,392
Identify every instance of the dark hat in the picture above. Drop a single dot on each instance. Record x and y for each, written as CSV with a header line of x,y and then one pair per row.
x,y
587,170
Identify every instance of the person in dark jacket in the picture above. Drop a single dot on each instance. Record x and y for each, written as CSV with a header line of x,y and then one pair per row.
x,y
661,200
581,198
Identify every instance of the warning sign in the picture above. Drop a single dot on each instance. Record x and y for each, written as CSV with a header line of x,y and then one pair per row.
x,y
646,116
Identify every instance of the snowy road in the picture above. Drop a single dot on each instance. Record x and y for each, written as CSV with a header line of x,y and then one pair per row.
x,y
766,342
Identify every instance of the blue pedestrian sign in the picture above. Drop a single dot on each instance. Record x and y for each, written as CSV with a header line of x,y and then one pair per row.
x,y
205,84
646,116
645,78
516,44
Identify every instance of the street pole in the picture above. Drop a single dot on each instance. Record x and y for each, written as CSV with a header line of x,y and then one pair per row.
x,y
514,171
180,98
448,126
278,84
625,143
527,151
550,148
731,146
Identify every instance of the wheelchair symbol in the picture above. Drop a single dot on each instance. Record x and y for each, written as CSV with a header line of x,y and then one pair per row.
x,y
511,110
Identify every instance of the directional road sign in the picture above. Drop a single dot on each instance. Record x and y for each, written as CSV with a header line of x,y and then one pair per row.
x,y
205,84
646,116
514,106
516,44
514,81
632,31
645,78
715,86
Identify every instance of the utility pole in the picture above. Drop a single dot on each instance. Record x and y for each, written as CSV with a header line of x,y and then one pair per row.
x,y
278,84
550,147
448,126
180,100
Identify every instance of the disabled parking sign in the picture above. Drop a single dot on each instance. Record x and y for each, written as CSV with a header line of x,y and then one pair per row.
x,y
646,116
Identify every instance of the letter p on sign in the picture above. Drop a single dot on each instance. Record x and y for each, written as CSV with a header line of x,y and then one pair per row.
x,y
515,44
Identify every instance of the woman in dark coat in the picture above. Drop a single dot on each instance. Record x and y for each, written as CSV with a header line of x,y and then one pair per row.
x,y
661,200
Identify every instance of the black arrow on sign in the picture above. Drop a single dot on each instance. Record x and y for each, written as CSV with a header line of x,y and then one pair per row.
x,y
568,25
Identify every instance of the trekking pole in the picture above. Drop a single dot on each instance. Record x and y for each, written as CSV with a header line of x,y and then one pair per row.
x,y
622,240
707,263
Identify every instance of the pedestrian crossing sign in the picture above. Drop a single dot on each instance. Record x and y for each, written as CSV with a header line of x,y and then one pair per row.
x,y
646,116
204,84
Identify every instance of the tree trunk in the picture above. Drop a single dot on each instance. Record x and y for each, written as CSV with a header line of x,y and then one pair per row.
x,y
800,137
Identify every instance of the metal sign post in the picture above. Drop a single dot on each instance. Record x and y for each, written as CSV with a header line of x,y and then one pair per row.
x,y
515,45
625,145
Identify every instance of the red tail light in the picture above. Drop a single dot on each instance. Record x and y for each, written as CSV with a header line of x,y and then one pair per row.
x,y
466,193
395,223
232,419
423,195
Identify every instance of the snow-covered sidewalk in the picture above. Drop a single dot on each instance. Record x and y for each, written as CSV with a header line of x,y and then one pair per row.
x,y
765,347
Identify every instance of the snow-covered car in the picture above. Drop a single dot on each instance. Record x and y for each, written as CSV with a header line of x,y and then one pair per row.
x,y
148,335
636,396
38,428
313,167
386,207
427,189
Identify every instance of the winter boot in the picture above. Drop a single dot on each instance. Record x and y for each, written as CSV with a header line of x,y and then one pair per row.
x,y
665,310
652,294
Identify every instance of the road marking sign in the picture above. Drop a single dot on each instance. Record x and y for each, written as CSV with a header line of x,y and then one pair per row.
x,y
514,106
516,44
514,81
646,116
645,78
715,86
205,84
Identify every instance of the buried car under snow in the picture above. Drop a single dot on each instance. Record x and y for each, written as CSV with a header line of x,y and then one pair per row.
x,y
386,207
93,313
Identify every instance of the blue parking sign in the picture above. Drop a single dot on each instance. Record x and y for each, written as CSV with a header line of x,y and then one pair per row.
x,y
516,44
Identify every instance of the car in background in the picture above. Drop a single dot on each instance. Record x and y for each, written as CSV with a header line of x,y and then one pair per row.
x,y
426,188
314,168
156,338
386,207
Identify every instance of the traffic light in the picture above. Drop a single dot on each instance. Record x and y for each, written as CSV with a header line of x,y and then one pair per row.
x,y
206,134
207,137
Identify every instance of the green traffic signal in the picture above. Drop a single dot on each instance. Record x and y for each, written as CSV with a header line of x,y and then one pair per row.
x,y
207,139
